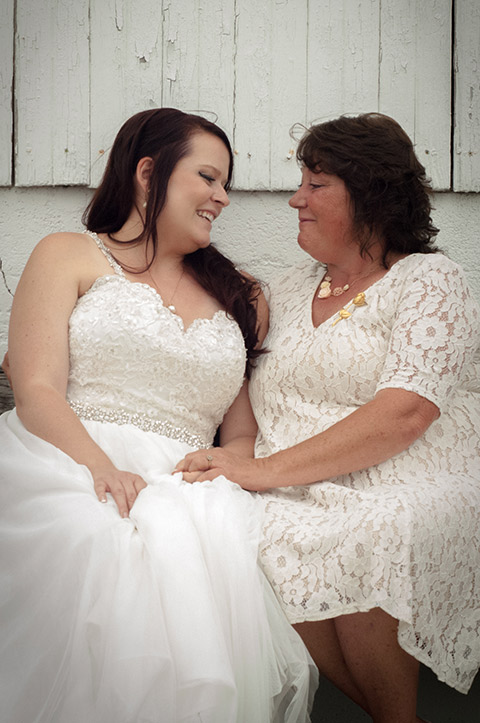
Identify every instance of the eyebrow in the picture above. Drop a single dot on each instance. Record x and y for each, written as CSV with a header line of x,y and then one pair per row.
x,y
212,168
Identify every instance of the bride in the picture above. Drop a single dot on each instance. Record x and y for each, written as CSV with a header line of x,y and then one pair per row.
x,y
128,595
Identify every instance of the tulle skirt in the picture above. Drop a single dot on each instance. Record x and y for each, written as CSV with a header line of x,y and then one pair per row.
x,y
160,618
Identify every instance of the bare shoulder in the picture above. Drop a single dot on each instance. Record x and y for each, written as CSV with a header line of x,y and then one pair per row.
x,y
64,244
68,256
68,247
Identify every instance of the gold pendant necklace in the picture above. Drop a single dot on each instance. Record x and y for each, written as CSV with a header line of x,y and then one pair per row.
x,y
168,305
326,290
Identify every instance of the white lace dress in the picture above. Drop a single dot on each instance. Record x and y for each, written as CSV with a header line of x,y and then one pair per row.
x,y
403,535
163,617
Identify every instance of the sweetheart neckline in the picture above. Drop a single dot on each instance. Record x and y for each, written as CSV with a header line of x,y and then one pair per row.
x,y
180,321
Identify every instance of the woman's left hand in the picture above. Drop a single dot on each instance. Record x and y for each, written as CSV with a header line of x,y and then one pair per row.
x,y
206,464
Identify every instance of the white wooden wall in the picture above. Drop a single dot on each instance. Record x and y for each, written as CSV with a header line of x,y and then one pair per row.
x,y
78,68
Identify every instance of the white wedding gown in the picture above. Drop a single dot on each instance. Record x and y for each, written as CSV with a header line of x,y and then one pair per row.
x,y
166,616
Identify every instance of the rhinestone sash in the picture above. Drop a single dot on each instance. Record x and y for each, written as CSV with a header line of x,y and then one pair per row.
x,y
142,421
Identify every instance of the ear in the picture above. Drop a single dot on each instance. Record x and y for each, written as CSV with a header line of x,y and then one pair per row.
x,y
143,173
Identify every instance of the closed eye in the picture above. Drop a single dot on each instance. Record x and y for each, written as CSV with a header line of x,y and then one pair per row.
x,y
206,177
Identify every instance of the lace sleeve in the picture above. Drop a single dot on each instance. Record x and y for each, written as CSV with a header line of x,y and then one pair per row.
x,y
435,334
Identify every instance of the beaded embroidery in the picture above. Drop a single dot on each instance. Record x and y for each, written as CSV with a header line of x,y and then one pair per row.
x,y
146,424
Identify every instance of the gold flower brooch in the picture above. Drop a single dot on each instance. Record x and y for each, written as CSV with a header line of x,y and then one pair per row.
x,y
358,300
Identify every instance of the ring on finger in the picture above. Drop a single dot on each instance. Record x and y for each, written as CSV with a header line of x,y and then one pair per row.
x,y
209,459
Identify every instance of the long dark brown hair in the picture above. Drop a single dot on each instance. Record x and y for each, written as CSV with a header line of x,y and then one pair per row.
x,y
387,184
164,135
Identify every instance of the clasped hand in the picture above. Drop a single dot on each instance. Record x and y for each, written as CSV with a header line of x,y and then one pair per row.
x,y
207,464
123,486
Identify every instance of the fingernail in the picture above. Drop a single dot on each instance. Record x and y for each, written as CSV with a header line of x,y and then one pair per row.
x,y
125,515
104,499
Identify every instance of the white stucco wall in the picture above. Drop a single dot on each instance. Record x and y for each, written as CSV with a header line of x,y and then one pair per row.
x,y
258,231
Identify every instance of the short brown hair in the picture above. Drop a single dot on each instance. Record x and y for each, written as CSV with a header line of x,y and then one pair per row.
x,y
387,184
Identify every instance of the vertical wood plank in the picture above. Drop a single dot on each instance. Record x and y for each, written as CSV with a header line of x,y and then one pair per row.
x,y
288,89
181,55
415,85
343,51
126,69
199,59
6,90
52,90
270,91
216,50
253,82
466,158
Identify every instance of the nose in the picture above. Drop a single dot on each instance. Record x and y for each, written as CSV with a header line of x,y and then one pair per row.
x,y
221,196
297,200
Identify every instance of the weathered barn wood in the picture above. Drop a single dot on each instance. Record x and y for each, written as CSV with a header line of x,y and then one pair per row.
x,y
466,160
82,67
6,90
52,93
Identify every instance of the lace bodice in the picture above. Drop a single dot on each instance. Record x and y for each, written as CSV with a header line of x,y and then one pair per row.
x,y
131,359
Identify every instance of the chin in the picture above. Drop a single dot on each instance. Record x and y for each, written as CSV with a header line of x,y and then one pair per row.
x,y
311,249
305,245
203,243
199,244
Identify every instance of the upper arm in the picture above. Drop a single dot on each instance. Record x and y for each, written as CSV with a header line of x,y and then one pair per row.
x,y
435,332
262,317
46,294
239,421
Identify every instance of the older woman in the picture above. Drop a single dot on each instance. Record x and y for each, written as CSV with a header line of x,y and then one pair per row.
x,y
368,405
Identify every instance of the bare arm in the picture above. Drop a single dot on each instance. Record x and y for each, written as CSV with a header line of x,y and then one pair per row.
x,y
239,427
38,347
375,432
378,430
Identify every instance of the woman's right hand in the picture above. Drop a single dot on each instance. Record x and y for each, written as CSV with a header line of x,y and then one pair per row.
x,y
123,486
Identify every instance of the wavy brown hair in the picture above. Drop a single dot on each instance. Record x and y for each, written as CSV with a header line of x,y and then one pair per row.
x,y
164,135
389,190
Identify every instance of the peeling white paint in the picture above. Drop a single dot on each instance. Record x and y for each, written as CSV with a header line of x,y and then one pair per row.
x,y
83,67
52,79
466,176
6,83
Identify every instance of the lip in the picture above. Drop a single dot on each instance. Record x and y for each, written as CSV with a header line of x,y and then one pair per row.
x,y
305,220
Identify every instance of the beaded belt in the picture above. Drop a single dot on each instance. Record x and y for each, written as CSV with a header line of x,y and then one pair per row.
x,y
142,421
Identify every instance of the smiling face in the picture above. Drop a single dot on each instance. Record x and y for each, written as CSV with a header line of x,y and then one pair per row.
x,y
195,194
325,214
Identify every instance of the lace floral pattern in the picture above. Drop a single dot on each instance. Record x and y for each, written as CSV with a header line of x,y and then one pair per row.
x,y
183,378
403,535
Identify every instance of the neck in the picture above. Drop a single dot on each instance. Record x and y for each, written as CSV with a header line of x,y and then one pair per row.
x,y
349,274
353,265
141,254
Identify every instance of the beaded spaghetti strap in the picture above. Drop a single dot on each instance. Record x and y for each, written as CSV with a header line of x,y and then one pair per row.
x,y
106,252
